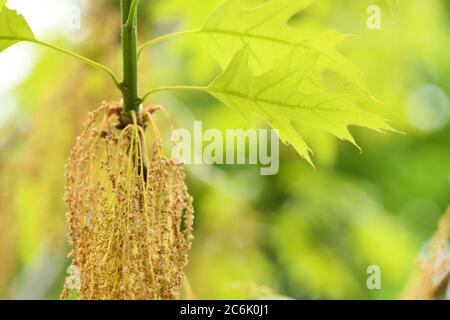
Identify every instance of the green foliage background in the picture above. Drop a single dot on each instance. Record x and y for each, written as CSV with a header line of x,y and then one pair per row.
x,y
303,233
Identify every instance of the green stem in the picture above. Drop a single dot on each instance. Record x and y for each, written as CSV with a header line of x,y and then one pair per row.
x,y
129,86
173,88
132,14
163,38
79,57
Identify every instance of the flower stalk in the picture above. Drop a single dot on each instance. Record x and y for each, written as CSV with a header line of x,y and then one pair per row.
x,y
129,86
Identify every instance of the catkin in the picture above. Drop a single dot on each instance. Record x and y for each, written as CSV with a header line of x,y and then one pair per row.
x,y
431,280
130,216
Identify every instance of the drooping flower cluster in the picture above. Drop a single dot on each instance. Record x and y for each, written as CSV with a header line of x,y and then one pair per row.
x,y
431,280
130,216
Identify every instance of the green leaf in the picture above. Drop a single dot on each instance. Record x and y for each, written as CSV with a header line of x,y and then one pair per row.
x,y
13,28
2,4
286,94
270,38
286,75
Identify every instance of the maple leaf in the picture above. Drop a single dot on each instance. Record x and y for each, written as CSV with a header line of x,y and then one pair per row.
x,y
277,96
265,29
13,28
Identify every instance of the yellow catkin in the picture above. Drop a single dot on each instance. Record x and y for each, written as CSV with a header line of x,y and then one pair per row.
x,y
432,277
130,216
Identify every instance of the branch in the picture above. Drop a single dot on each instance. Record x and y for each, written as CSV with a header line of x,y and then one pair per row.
x,y
165,37
173,88
76,56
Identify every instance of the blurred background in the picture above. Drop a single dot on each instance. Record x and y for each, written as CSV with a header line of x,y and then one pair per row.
x,y
304,233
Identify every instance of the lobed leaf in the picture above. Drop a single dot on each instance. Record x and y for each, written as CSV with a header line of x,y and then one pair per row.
x,y
13,28
270,38
286,94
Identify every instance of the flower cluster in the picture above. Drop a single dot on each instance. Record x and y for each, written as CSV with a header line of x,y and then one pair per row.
x,y
130,216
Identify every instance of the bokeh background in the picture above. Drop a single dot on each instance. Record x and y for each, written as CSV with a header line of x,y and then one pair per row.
x,y
304,233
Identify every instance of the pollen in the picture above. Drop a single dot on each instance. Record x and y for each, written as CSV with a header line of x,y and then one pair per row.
x,y
130,216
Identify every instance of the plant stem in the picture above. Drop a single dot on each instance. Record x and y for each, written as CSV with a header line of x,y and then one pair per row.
x,y
173,88
163,38
129,86
79,57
